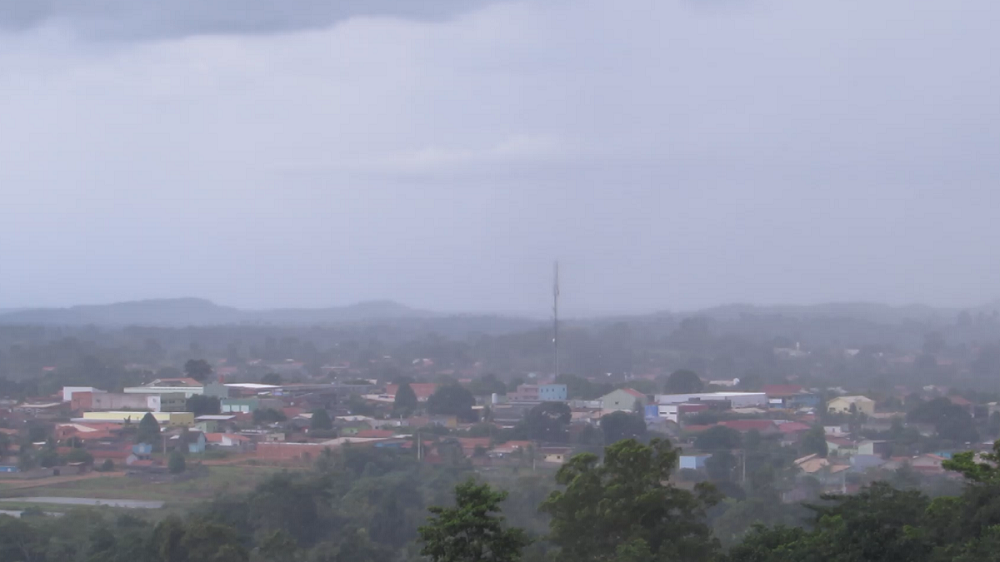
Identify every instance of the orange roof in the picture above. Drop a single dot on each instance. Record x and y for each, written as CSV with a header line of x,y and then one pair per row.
x,y
781,390
93,436
793,427
634,392
748,425
217,437
421,389
368,433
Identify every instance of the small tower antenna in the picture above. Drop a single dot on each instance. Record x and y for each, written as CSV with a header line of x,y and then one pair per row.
x,y
555,317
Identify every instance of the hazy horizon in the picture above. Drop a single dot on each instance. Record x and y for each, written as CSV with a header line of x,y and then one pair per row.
x,y
538,314
673,155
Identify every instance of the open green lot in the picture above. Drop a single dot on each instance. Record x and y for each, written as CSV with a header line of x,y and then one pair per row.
x,y
218,480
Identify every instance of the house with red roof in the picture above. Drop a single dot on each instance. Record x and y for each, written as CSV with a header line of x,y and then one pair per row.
x,y
423,390
793,428
373,433
228,440
764,427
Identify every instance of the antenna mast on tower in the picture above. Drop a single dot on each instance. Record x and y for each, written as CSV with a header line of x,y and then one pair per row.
x,y
555,316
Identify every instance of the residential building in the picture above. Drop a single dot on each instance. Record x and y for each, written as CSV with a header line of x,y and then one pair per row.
x,y
764,427
187,386
622,400
86,401
212,422
167,418
694,462
841,446
552,393
849,404
173,402
874,447
790,396
227,440
538,393
734,399
69,391
216,390
556,455
422,390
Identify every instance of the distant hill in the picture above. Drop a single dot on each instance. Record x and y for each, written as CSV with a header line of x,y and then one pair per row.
x,y
199,312
871,312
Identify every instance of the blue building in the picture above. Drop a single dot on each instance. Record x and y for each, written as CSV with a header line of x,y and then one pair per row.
x,y
694,462
142,449
552,393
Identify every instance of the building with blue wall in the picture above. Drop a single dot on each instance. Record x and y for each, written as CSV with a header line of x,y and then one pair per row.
x,y
552,393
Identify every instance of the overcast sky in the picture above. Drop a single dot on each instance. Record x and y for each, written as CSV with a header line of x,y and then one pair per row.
x,y
672,154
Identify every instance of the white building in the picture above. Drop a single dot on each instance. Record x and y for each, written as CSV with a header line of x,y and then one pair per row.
x,y
69,391
735,399
186,386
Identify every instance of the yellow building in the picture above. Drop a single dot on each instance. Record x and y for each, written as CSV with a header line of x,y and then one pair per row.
x,y
845,404
164,418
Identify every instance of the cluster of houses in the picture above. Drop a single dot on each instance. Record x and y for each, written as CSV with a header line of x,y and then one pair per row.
x,y
103,423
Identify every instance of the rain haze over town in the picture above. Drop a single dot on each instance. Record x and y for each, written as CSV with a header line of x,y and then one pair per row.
x,y
499,280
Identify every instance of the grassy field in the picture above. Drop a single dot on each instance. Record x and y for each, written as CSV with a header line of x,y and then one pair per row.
x,y
219,479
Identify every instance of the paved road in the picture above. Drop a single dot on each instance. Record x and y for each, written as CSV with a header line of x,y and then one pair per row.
x,y
18,513
136,504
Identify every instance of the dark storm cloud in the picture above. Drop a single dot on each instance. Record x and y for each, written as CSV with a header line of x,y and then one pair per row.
x,y
144,19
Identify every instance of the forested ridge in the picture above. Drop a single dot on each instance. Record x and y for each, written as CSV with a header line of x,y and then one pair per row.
x,y
369,504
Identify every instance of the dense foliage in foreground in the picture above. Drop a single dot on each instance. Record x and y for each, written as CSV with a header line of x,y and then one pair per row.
x,y
362,505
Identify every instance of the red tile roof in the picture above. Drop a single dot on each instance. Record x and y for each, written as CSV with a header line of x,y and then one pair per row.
x,y
421,389
782,390
217,437
749,425
373,433
634,392
793,427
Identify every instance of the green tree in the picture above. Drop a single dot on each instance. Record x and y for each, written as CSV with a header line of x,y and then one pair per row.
x,y
320,420
684,381
405,402
472,531
148,431
201,405
625,500
452,400
718,438
79,455
279,546
271,378
264,416
26,457
176,464
617,426
359,406
198,369
547,421
814,442
487,385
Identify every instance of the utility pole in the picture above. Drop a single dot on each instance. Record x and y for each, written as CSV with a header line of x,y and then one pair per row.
x,y
744,479
555,316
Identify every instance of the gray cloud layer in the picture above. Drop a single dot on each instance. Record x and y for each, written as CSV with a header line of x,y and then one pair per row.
x,y
146,19
671,154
